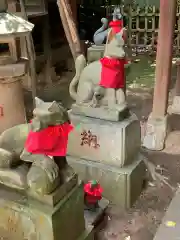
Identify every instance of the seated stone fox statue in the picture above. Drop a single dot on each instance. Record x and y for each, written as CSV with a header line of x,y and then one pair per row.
x,y
97,87
101,34
33,155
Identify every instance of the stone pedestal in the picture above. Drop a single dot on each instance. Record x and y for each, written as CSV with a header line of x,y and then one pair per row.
x,y
22,217
108,142
156,132
109,153
94,53
175,107
122,186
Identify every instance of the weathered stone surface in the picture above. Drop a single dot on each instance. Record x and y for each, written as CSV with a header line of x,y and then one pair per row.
x,y
21,218
92,218
15,178
175,107
94,53
13,70
122,186
156,133
166,232
117,142
101,112
53,198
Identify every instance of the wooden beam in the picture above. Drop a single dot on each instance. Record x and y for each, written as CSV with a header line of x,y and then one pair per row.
x,y
31,56
74,9
66,29
47,49
70,27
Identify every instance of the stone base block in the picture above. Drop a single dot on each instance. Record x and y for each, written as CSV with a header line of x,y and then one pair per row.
x,y
121,186
94,53
175,107
93,218
156,133
108,142
53,198
22,218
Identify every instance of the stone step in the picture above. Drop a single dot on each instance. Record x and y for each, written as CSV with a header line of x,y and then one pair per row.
x,y
93,218
169,228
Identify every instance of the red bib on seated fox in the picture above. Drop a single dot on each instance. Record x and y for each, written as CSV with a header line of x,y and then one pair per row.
x,y
51,141
49,130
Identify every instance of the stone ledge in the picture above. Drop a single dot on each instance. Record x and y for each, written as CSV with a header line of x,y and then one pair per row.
x,y
166,232
92,218
53,198
13,70
50,200
101,112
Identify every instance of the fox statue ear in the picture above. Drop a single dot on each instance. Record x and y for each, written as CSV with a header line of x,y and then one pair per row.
x,y
38,101
54,107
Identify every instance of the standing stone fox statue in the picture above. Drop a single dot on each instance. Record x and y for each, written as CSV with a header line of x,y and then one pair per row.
x,y
34,155
94,87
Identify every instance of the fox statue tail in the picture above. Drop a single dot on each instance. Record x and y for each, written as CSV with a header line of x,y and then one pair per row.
x,y
80,64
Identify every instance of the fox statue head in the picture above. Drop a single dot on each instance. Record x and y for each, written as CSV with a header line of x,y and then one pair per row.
x,y
117,14
48,114
115,48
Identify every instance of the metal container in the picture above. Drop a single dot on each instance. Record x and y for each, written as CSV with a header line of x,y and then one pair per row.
x,y
12,109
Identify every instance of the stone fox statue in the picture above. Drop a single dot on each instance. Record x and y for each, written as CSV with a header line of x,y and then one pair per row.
x,y
20,168
101,34
87,79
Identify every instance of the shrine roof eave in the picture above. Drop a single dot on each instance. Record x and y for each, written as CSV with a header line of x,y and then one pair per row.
x,y
11,24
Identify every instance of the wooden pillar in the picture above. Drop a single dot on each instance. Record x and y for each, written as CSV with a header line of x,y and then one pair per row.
x,y
164,56
14,45
70,27
74,9
47,49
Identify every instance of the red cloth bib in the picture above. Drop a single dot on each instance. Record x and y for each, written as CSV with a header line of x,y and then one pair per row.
x,y
113,73
116,26
51,141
